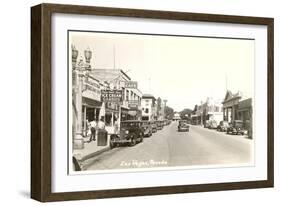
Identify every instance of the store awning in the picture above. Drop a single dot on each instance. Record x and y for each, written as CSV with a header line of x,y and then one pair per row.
x,y
90,102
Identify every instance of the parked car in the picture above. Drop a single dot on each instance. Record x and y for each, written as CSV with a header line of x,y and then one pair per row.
x,y
147,128
213,124
222,127
169,122
153,127
159,125
183,126
236,127
131,132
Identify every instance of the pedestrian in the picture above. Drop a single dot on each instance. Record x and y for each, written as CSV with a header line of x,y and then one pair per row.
x,y
93,126
116,126
102,133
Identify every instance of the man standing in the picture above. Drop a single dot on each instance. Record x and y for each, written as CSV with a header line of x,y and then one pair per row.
x,y
102,133
93,126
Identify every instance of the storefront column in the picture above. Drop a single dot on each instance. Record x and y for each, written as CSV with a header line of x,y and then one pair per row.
x,y
233,113
112,118
85,122
78,139
227,115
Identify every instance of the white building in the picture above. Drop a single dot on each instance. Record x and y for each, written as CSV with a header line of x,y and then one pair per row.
x,y
148,105
176,116
212,110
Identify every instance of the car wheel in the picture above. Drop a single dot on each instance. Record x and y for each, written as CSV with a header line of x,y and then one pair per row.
x,y
112,145
141,137
133,142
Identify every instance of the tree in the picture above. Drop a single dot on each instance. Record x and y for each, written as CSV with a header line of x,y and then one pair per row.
x,y
169,112
186,113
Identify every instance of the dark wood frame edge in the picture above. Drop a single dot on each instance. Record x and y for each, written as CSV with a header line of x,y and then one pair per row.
x,y
41,101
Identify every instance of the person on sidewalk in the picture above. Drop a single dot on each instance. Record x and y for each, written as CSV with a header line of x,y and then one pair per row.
x,y
93,126
102,133
116,126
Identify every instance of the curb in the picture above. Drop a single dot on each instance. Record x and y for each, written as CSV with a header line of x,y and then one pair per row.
x,y
88,156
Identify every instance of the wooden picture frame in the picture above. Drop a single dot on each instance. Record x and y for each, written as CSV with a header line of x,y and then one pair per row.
x,y
41,101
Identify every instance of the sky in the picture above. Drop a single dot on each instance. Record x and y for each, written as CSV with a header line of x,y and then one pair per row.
x,y
182,70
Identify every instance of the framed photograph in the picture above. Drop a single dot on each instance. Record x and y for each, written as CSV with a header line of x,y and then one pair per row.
x,y
128,102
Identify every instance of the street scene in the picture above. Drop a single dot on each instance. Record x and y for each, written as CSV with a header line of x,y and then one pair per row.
x,y
169,148
141,102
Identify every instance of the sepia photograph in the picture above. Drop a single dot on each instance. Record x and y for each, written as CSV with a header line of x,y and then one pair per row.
x,y
142,102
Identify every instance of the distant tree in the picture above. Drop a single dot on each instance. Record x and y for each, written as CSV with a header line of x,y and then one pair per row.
x,y
169,112
186,113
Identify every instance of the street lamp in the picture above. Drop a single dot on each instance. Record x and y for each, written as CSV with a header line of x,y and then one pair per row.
x,y
80,70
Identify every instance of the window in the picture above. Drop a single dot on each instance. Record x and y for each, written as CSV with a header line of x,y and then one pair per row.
x,y
127,95
146,110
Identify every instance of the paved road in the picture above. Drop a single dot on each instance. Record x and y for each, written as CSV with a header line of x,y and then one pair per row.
x,y
168,147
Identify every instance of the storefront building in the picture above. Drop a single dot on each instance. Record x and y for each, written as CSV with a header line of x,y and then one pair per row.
x,y
148,107
245,112
212,110
118,111
230,106
91,101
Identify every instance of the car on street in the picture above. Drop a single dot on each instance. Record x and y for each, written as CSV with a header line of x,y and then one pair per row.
x,y
222,127
159,125
153,126
131,133
236,127
147,128
213,124
183,126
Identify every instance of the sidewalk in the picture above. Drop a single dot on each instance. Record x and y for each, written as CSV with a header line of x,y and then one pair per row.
x,y
90,150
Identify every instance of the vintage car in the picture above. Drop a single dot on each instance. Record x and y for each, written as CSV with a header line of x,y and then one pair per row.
x,y
159,124
147,128
222,127
131,132
167,122
183,126
213,124
153,127
236,127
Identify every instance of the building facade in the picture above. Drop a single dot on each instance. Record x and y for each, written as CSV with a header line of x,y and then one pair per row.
x,y
245,113
212,110
129,108
148,105
230,106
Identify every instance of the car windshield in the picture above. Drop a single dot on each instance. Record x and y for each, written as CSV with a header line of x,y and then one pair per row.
x,y
182,122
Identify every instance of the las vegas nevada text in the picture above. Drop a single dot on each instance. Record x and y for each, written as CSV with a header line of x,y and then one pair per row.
x,y
146,102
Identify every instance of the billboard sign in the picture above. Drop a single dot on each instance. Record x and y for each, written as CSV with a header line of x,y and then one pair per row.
x,y
111,95
131,84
